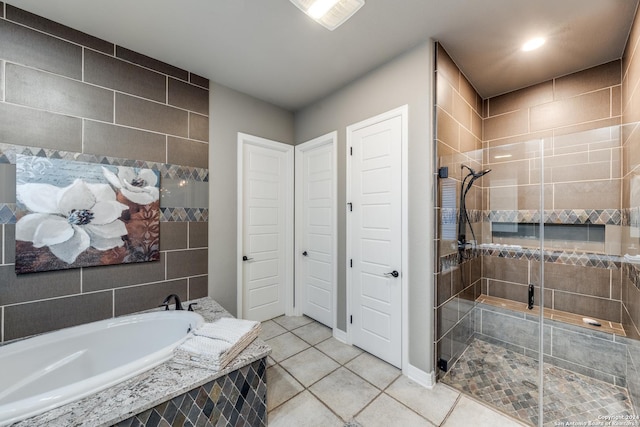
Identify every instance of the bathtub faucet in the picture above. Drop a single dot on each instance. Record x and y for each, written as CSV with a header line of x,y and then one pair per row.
x,y
167,301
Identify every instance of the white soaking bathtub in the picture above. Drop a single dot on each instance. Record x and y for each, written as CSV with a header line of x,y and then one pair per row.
x,y
50,370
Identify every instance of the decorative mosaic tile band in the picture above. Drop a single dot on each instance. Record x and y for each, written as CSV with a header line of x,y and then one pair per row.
x,y
632,271
7,213
8,155
236,399
450,215
631,217
184,214
564,216
451,261
584,259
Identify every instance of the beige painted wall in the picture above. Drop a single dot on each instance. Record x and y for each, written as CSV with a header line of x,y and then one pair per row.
x,y
405,80
232,112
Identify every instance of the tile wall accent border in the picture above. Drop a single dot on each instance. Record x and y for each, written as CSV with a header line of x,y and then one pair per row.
x,y
632,271
563,216
450,261
584,259
7,213
181,214
8,156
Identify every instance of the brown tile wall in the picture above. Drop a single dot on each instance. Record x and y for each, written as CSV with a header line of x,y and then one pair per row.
x,y
571,116
458,138
630,137
65,90
576,118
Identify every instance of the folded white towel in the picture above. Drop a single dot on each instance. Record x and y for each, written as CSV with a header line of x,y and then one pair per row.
x,y
205,346
214,345
227,329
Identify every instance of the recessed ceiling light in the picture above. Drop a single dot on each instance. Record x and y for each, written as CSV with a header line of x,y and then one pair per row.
x,y
329,13
533,44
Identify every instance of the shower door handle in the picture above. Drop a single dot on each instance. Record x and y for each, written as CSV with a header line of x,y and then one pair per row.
x,y
394,274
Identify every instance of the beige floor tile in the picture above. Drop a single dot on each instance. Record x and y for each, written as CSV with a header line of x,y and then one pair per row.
x,y
338,351
270,329
374,370
285,345
303,411
292,322
309,366
467,409
432,404
280,387
344,392
270,362
313,333
385,412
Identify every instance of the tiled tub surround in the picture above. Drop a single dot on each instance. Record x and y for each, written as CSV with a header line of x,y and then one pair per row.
x,y
177,393
68,94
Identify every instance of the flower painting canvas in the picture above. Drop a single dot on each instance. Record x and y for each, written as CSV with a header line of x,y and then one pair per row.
x,y
75,214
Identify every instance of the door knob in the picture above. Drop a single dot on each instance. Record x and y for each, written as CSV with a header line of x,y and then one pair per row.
x,y
394,273
305,253
246,258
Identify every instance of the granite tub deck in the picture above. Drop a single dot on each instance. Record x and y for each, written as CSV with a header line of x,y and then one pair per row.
x,y
139,399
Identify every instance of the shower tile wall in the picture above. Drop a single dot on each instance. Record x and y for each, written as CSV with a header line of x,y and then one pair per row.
x,y
576,118
459,132
630,172
67,94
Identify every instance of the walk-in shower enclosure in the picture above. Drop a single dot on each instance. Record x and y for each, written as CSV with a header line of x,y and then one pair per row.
x,y
557,220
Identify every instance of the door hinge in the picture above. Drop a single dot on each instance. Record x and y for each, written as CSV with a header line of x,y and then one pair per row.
x,y
351,151
351,263
350,206
351,319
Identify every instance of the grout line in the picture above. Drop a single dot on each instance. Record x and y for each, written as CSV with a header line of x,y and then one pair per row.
x,y
444,420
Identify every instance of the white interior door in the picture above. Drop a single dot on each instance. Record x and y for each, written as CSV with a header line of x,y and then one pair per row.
x,y
265,250
316,228
376,237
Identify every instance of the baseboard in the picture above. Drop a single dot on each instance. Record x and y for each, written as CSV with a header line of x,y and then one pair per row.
x,y
425,379
340,335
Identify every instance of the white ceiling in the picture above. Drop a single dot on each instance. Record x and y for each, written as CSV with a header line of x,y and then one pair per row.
x,y
269,49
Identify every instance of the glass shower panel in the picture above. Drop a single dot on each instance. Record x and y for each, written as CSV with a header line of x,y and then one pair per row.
x,y
586,357
487,312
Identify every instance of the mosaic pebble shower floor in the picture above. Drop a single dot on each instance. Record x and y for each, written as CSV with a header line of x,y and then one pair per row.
x,y
508,381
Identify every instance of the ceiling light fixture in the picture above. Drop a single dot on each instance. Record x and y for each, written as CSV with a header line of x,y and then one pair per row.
x,y
329,13
533,44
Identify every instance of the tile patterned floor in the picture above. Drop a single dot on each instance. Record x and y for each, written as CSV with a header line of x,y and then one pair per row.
x,y
507,380
315,380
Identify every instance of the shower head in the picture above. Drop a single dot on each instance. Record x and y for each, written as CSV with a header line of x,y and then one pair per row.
x,y
479,174
475,174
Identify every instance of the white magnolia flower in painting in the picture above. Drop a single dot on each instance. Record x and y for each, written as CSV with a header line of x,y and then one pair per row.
x,y
71,219
138,185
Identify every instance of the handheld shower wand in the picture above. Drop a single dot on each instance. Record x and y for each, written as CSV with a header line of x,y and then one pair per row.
x,y
463,217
